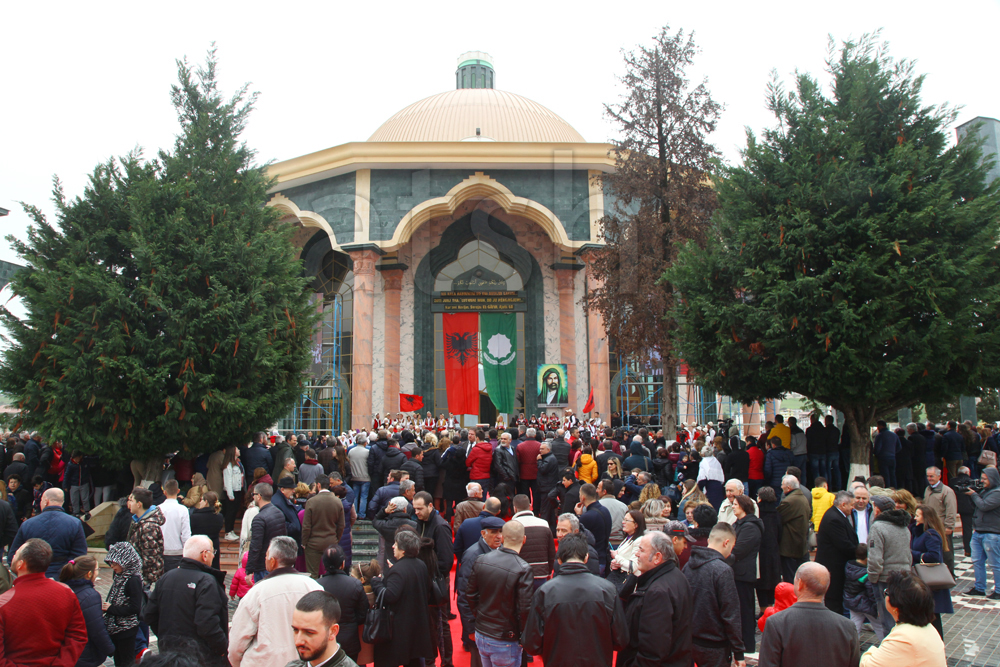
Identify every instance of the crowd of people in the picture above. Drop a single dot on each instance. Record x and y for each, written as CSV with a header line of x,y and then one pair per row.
x,y
572,540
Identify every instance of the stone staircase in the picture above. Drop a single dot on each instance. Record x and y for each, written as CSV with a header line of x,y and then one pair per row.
x,y
365,545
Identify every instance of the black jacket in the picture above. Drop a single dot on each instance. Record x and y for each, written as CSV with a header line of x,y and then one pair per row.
x,y
456,475
836,543
386,526
504,467
8,524
658,611
430,463
499,594
206,521
189,602
593,561
350,593
393,459
568,497
99,645
268,524
416,471
438,530
375,453
715,619
560,449
576,619
749,533
407,594
770,545
737,465
462,580
965,504
548,473
255,457
290,512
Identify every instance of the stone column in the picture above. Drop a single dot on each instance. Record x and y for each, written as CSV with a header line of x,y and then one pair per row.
x,y
364,307
597,341
392,286
567,331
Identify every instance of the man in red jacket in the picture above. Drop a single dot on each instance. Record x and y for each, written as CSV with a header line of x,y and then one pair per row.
x,y
527,459
40,620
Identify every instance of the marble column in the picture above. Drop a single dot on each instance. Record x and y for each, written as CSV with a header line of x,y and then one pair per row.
x,y
392,286
597,339
567,332
364,307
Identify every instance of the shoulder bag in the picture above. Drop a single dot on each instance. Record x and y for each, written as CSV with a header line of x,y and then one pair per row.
x,y
935,575
987,458
378,622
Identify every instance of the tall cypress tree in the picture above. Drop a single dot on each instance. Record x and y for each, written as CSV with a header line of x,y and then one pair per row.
x,y
854,256
167,309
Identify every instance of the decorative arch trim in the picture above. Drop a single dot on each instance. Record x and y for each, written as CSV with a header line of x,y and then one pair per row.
x,y
307,218
480,186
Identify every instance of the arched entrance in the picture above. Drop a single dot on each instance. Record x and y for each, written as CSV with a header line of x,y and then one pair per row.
x,y
478,253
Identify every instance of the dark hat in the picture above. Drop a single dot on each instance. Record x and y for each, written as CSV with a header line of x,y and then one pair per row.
x,y
286,483
491,523
883,503
678,529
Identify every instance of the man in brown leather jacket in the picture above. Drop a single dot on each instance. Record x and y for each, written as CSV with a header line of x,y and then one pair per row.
x,y
499,595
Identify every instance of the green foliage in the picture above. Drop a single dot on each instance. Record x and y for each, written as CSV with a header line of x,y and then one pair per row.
x,y
167,310
987,409
854,258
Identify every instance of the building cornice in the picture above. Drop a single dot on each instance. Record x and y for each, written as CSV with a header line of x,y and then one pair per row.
x,y
357,155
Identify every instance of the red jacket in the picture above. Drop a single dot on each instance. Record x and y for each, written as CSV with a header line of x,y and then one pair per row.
x,y
756,462
40,624
527,458
479,459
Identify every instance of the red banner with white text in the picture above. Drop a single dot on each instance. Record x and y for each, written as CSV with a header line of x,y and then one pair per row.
x,y
461,362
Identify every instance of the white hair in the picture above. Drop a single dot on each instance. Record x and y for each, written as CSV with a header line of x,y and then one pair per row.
x,y
707,451
737,483
399,504
197,544
472,487
791,481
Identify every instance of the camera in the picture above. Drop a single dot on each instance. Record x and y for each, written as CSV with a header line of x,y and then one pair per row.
x,y
963,486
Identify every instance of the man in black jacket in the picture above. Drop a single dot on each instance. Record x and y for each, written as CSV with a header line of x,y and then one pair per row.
x,y
567,494
836,543
257,455
504,467
415,467
658,607
489,539
574,600
716,632
596,518
548,477
560,448
268,524
499,596
392,459
189,602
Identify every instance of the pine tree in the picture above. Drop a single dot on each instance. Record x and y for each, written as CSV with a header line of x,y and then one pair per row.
x,y
854,256
661,197
167,310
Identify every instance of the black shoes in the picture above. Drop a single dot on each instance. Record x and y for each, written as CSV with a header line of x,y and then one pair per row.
x,y
976,593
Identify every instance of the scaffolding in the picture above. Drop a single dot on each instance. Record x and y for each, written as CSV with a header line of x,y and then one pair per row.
x,y
637,389
324,404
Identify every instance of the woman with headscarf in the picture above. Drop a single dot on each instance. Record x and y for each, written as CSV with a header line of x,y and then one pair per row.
x,y
124,601
711,479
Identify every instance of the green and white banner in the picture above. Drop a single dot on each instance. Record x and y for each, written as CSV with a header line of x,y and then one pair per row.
x,y
498,332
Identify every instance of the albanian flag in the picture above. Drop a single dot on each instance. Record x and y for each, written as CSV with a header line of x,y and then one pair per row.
x,y
410,402
461,362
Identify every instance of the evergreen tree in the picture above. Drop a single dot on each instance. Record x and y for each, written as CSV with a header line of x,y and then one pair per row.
x,y
660,198
854,256
167,310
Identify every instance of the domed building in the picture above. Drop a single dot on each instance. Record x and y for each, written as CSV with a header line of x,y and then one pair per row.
x,y
471,201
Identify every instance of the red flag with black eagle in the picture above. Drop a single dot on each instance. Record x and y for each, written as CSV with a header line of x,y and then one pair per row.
x,y
461,362
410,402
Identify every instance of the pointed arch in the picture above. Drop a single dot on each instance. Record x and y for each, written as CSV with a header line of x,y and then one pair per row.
x,y
480,186
307,218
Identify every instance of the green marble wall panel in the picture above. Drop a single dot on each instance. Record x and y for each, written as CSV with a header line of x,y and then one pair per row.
x,y
332,198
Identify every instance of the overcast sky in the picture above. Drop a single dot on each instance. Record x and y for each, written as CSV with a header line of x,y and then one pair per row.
x,y
87,81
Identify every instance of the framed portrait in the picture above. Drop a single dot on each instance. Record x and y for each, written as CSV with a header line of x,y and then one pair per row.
x,y
553,386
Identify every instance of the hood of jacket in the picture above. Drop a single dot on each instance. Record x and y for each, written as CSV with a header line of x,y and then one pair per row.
x,y
586,459
818,493
750,518
784,596
79,584
152,515
899,518
483,445
636,449
701,556
124,554
993,475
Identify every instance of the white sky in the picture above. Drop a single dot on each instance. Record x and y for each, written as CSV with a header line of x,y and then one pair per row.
x,y
86,81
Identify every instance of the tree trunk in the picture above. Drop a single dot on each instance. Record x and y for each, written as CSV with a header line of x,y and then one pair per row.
x,y
668,418
858,425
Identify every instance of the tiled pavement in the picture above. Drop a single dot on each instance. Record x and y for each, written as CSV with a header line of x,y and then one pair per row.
x,y
972,633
